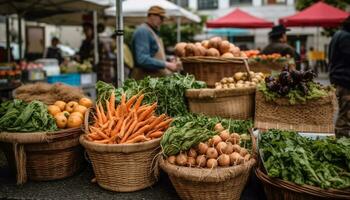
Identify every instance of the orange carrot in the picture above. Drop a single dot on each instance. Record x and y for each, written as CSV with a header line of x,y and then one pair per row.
x,y
156,134
105,141
112,103
98,131
103,115
143,123
87,137
147,112
130,129
164,123
117,128
130,102
143,130
98,113
122,129
139,138
95,136
157,121
117,112
109,111
138,102
123,99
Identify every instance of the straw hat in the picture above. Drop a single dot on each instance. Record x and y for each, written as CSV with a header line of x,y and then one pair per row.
x,y
157,10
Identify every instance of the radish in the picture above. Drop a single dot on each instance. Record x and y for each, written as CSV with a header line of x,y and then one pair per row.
x,y
171,159
236,148
229,148
191,162
224,160
216,139
220,147
211,163
225,135
235,158
192,153
202,147
201,161
181,159
212,153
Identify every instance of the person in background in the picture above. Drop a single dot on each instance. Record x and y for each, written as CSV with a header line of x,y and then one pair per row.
x,y
54,51
278,44
86,50
339,65
148,49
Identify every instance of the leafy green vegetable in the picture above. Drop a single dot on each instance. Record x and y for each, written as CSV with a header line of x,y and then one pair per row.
x,y
323,163
18,116
188,131
167,91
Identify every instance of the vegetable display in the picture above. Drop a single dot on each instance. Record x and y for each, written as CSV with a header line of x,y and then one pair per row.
x,y
188,131
297,86
323,163
126,123
18,116
214,47
71,114
167,91
240,80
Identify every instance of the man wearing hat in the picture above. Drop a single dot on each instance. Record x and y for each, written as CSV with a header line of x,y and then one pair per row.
x,y
278,42
148,49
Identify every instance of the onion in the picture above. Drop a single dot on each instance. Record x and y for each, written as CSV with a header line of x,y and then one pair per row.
x,y
202,148
235,158
243,152
225,47
212,163
229,148
210,142
235,138
221,147
236,148
191,162
247,157
224,160
225,135
171,159
212,153
192,153
216,139
218,127
201,161
215,42
181,159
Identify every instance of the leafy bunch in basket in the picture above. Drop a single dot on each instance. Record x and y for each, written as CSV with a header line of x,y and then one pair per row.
x,y
297,86
323,163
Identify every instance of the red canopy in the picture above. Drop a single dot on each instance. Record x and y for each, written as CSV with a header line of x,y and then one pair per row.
x,y
239,19
319,14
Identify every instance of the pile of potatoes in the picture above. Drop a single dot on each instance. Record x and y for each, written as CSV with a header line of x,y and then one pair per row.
x,y
222,150
215,47
71,114
240,80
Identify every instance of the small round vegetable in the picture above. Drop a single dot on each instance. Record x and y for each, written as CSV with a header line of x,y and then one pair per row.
x,y
224,80
202,148
171,159
220,147
210,142
201,161
225,86
192,153
224,47
224,160
236,148
252,84
243,152
218,127
229,148
235,158
240,82
213,52
181,159
212,163
218,87
239,85
205,44
191,162
180,49
230,80
225,135
227,55
215,42
238,76
190,49
247,157
252,74
212,153
231,85
216,139
236,138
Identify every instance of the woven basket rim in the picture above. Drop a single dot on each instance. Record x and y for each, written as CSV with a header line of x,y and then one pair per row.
x,y
37,137
126,148
210,59
218,174
213,92
307,189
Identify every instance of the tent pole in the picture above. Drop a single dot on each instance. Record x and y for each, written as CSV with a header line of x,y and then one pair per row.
x,y
96,57
178,29
8,43
318,38
120,42
19,36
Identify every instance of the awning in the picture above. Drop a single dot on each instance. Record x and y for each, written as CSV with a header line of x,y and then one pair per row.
x,y
239,19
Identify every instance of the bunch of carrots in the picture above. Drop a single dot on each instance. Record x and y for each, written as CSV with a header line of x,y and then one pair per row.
x,y
126,123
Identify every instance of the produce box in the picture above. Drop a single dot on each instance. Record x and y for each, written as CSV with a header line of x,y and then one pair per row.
x,y
69,79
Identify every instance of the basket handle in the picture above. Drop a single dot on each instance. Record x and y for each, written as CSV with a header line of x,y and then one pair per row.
x,y
246,66
86,120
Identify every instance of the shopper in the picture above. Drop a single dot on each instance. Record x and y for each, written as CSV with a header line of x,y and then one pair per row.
x,y
148,49
339,64
54,51
86,51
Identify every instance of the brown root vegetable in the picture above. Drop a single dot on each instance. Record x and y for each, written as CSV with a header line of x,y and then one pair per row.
x,y
243,55
212,163
191,162
225,135
190,49
202,148
215,42
205,44
216,139
235,137
212,52
236,52
218,127
246,157
201,161
220,147
181,159
243,152
235,158
180,49
192,153
227,55
229,148
224,47
210,142
172,159
201,50
212,153
224,160
236,148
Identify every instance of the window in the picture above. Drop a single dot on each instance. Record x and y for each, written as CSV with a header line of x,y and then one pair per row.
x,y
207,4
183,3
238,2
275,2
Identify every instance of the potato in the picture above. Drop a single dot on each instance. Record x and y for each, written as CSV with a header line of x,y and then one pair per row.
x,y
213,52
251,74
236,52
180,49
218,87
224,80
239,85
230,80
225,86
231,85
190,49
253,84
205,44
240,82
215,42
224,47
255,80
202,50
238,76
243,55
227,55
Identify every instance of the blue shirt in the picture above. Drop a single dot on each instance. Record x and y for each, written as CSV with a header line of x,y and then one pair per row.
x,y
144,47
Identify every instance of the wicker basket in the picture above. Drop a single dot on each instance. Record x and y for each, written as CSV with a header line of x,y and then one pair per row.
x,y
212,69
43,156
267,67
235,103
276,189
313,116
217,183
